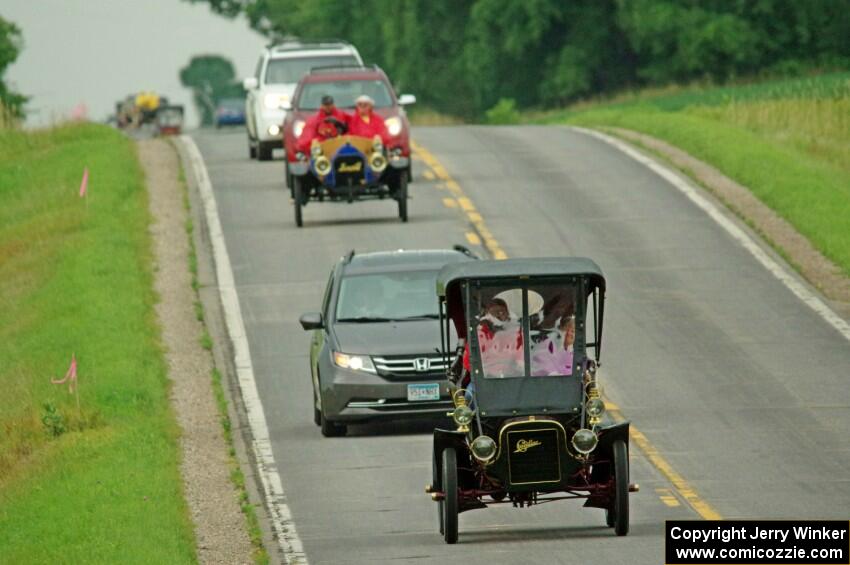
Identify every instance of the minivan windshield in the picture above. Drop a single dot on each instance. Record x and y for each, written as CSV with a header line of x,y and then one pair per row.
x,y
385,297
291,69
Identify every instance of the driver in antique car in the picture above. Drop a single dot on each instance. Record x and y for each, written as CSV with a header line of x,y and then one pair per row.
x,y
328,122
365,122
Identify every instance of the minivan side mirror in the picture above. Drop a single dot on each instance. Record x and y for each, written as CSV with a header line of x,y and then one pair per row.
x,y
250,83
287,105
312,321
406,99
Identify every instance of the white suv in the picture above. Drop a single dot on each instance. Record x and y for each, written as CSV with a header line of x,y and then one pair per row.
x,y
280,68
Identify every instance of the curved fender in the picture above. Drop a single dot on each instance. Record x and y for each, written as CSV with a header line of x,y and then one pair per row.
x,y
299,168
442,440
399,162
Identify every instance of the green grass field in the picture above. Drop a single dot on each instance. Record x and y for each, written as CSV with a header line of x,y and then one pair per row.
x,y
102,484
788,141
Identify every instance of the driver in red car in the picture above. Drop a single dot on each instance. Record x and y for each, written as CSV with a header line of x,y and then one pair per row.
x,y
366,122
328,122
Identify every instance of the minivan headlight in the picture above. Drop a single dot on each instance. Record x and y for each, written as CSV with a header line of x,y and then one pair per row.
x,y
354,362
297,128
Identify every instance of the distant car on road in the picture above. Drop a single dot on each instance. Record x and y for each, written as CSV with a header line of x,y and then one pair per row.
x,y
230,112
373,354
279,69
348,168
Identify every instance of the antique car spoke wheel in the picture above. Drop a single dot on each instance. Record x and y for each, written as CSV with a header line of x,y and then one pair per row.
x,y
401,196
450,500
298,188
621,488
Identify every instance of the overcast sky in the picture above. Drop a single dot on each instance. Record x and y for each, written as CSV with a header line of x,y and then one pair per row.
x,y
98,51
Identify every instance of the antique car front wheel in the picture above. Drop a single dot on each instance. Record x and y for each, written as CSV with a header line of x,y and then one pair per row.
x,y
401,196
620,509
436,481
297,189
450,495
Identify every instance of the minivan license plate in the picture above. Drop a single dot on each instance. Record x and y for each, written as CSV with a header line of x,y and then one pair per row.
x,y
429,391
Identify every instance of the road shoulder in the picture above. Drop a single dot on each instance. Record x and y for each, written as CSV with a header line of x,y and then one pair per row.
x,y
796,249
220,528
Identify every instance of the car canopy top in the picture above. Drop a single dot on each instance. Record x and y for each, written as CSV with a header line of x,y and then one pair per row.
x,y
551,391
450,277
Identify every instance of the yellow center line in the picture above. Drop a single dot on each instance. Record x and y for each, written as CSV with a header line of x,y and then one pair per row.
x,y
685,490
473,238
461,199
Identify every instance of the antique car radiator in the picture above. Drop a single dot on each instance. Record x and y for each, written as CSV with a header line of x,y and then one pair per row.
x,y
534,455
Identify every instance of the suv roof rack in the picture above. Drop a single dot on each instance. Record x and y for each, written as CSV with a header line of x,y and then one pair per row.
x,y
296,44
335,68
465,250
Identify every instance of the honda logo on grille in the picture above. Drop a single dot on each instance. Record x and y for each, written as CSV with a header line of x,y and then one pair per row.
x,y
422,364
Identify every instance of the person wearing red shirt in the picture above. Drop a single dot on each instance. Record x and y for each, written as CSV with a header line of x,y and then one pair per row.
x,y
365,122
328,122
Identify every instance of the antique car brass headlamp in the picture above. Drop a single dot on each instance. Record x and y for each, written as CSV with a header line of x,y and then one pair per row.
x,y
322,164
462,415
378,162
584,441
595,408
483,448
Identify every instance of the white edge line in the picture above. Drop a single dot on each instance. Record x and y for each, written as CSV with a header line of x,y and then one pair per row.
x,y
804,294
279,512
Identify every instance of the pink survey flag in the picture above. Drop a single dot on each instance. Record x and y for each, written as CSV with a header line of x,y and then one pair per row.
x,y
85,183
70,376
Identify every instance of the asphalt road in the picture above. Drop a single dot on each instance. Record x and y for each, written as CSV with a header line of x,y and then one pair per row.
x,y
740,386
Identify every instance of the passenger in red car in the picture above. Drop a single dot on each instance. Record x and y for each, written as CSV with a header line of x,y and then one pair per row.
x,y
328,122
365,122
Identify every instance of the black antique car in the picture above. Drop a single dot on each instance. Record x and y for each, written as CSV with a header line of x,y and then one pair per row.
x,y
531,425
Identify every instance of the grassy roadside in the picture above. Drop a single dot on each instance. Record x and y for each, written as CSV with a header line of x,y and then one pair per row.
x,y
259,555
101,485
787,141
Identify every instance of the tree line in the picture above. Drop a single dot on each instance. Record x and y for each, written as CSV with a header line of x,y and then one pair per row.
x,y
463,56
11,102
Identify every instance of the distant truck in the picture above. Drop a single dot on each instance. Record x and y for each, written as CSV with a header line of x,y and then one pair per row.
x,y
169,120
139,109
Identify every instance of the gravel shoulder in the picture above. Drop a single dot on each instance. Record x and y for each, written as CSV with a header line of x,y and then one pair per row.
x,y
825,275
220,527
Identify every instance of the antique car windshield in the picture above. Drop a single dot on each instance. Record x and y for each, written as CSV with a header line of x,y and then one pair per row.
x,y
344,93
290,70
527,332
387,297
